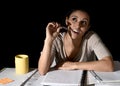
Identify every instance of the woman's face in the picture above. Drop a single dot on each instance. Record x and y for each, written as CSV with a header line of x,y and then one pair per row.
x,y
78,23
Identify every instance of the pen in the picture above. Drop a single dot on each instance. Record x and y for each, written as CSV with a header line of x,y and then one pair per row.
x,y
23,84
95,75
63,29
84,78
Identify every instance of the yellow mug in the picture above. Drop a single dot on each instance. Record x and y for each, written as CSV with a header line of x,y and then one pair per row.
x,y
21,64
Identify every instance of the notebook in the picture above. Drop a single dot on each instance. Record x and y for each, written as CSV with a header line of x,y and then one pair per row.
x,y
108,77
75,78
63,78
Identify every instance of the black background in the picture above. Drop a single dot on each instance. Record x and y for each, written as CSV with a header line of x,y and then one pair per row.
x,y
23,25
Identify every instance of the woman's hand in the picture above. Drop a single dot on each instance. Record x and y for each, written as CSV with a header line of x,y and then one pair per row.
x,y
66,65
52,30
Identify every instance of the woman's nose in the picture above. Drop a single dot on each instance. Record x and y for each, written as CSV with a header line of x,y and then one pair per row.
x,y
78,25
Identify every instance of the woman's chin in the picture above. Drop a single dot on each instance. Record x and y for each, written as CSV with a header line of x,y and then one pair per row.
x,y
74,36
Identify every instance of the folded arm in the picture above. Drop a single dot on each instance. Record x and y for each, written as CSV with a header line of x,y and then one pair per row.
x,y
105,65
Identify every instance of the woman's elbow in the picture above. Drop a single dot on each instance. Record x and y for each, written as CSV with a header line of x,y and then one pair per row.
x,y
110,66
42,72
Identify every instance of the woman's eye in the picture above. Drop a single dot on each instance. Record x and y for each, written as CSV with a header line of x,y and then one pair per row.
x,y
74,19
83,23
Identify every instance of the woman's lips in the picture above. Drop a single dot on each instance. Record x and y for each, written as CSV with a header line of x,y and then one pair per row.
x,y
75,31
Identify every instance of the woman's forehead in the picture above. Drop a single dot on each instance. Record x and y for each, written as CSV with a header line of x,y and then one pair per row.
x,y
80,14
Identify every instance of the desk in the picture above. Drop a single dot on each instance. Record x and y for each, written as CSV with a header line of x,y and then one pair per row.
x,y
90,80
32,77
19,80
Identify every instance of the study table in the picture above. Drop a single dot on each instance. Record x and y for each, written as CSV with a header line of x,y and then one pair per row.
x,y
33,78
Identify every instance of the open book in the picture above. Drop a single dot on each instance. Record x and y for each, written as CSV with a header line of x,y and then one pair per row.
x,y
63,78
75,77
108,77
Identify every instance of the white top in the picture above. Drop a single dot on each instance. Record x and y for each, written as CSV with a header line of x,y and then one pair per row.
x,y
92,47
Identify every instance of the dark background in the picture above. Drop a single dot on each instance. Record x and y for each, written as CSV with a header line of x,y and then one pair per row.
x,y
23,25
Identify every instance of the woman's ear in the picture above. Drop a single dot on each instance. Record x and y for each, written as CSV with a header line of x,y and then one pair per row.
x,y
89,27
66,21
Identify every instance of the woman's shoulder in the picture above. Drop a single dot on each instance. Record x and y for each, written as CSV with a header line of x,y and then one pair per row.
x,y
91,35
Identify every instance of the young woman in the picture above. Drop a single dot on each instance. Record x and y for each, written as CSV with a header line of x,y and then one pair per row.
x,y
77,48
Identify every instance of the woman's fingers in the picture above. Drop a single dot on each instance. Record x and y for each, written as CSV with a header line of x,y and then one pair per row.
x,y
53,29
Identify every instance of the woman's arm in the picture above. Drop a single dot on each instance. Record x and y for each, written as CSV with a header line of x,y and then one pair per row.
x,y
106,65
52,30
45,58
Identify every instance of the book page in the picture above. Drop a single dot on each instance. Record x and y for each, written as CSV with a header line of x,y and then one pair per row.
x,y
109,76
63,78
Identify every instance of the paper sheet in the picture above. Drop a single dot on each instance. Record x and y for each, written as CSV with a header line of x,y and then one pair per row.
x,y
63,78
112,77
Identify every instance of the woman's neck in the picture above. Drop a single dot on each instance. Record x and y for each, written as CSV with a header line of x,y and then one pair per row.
x,y
73,42
71,46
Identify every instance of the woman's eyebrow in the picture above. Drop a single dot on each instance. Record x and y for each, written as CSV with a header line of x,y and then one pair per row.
x,y
86,19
